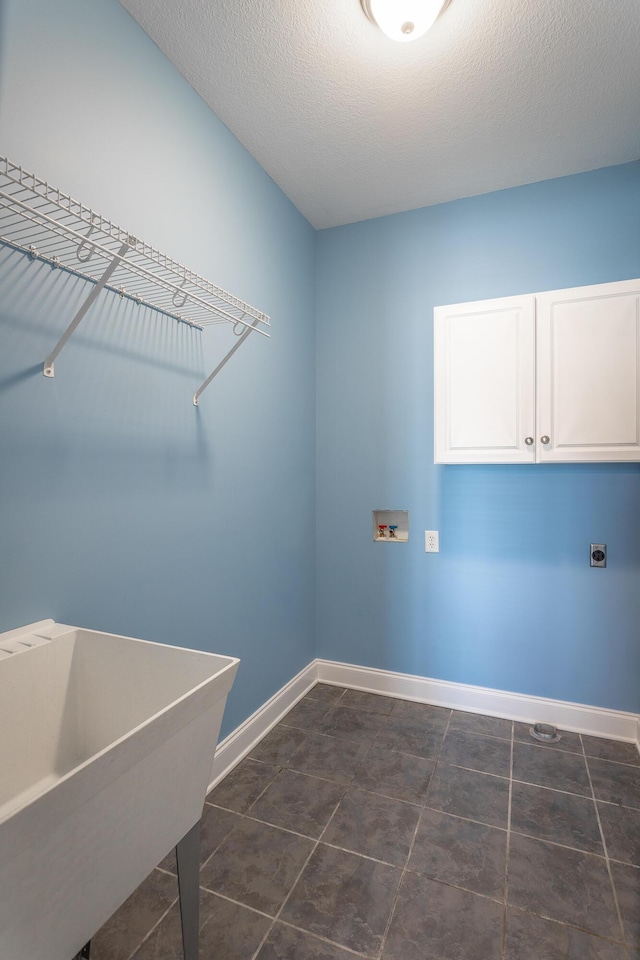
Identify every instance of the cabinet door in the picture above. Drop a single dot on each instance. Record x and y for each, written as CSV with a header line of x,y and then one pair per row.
x,y
588,366
484,381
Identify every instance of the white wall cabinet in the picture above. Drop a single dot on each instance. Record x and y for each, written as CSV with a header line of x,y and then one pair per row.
x,y
484,381
548,377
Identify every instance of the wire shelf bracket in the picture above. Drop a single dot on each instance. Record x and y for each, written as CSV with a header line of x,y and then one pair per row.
x,y
49,370
49,225
244,333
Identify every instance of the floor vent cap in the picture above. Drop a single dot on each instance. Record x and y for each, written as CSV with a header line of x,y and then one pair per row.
x,y
545,732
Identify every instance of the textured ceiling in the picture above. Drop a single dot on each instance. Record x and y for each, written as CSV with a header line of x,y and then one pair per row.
x,y
352,125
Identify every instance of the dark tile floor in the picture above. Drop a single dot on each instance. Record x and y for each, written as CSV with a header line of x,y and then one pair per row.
x,y
363,825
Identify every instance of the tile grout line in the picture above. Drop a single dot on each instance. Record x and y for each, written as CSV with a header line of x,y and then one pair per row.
x,y
387,863
285,923
366,856
335,846
508,850
304,865
282,905
534,746
570,925
423,806
485,736
375,793
543,786
238,903
317,843
606,852
511,738
484,773
245,816
153,928
555,843
394,905
200,886
319,936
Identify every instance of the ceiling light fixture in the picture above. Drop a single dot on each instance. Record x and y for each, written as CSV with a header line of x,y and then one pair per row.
x,y
403,19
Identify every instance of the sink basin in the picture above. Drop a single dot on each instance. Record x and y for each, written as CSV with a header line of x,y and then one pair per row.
x,y
106,750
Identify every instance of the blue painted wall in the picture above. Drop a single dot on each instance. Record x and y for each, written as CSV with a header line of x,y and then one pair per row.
x,y
123,507
510,602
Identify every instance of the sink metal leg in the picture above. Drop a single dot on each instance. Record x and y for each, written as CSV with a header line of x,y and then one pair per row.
x,y
188,860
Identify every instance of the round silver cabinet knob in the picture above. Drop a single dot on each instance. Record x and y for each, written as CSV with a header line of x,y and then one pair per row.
x,y
528,441
544,439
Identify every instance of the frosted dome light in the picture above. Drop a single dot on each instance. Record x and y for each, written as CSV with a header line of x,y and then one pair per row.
x,y
403,20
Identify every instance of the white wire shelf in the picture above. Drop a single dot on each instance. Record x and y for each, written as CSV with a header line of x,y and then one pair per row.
x,y
42,221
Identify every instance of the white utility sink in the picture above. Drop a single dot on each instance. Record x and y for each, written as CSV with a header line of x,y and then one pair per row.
x,y
106,750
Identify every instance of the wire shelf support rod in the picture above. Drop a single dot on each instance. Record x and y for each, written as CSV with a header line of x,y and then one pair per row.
x,y
49,369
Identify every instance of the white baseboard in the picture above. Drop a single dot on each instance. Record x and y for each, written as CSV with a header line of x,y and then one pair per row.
x,y
596,721
578,717
243,739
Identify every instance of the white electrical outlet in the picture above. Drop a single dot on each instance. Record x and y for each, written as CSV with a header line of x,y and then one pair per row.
x,y
431,541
